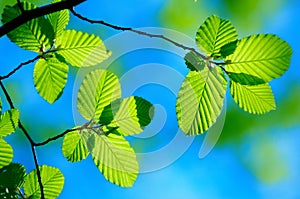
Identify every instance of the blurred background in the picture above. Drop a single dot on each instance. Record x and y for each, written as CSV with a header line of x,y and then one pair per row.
x,y
255,157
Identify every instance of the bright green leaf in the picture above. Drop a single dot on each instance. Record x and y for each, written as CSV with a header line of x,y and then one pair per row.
x,y
256,99
52,180
12,176
213,34
245,79
9,122
59,20
194,62
98,89
50,77
131,115
81,49
200,100
34,35
264,56
6,153
74,147
115,159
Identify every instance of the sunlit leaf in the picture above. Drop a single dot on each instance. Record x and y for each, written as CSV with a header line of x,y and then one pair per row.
x,y
264,56
34,35
98,89
59,20
74,147
12,176
81,49
213,34
6,153
50,77
52,180
245,79
115,159
9,122
256,99
200,100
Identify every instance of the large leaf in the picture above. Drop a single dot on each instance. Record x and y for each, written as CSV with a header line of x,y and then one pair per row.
x,y
52,180
59,20
74,147
6,153
50,77
131,115
256,99
34,35
115,159
200,100
9,122
99,88
81,49
213,34
264,56
245,79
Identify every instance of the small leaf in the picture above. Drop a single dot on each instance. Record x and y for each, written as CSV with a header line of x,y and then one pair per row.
x,y
12,176
264,56
52,180
50,77
6,153
256,99
131,115
98,89
59,20
34,35
200,100
213,34
74,147
9,122
115,159
228,49
81,49
245,79
194,62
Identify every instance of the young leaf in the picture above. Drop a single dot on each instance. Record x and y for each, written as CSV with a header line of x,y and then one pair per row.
x,y
9,122
213,34
81,49
52,180
50,77
6,153
115,159
131,115
12,176
98,89
34,35
200,100
59,20
256,99
264,56
74,147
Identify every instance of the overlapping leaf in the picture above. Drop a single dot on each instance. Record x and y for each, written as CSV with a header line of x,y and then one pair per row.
x,y
81,49
213,34
59,20
6,153
99,88
8,122
52,180
115,159
34,34
264,56
257,99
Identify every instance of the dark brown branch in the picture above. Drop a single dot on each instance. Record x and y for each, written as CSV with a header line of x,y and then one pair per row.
x,y
38,12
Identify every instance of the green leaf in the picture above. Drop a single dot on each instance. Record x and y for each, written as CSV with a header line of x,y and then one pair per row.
x,y
256,99
81,49
98,89
200,100
50,77
59,20
34,35
6,153
228,49
131,115
12,176
264,56
213,34
52,180
74,147
115,159
9,122
245,79
194,62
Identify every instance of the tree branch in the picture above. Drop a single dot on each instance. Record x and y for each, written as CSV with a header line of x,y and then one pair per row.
x,y
38,12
